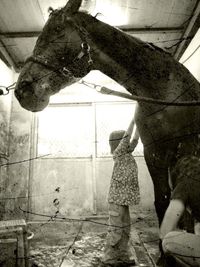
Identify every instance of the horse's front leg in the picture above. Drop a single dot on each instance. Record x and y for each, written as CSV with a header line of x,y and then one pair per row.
x,y
159,173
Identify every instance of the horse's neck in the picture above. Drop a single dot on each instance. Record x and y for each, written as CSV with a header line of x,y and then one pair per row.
x,y
113,69
132,63
112,50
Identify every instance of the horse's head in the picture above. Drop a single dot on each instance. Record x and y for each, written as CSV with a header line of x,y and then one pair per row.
x,y
61,56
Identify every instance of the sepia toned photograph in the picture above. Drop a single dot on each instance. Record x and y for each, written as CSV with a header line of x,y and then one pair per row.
x,y
100,133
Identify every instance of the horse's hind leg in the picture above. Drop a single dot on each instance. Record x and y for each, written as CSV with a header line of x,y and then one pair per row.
x,y
159,173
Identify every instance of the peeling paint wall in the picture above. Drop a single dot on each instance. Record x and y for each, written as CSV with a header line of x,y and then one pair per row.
x,y
6,79
18,169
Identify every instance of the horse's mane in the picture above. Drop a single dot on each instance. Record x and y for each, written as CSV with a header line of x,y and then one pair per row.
x,y
126,40
55,11
127,50
129,39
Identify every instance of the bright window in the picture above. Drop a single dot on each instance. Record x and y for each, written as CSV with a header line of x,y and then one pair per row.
x,y
66,131
79,130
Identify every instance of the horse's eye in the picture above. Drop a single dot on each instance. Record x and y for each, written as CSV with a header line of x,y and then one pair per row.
x,y
58,29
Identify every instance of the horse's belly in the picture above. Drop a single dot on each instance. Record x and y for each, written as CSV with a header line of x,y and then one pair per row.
x,y
164,126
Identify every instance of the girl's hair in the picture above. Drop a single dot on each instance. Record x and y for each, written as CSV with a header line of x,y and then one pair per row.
x,y
115,138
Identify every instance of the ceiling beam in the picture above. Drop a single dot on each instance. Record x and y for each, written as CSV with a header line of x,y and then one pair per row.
x,y
19,34
190,31
123,28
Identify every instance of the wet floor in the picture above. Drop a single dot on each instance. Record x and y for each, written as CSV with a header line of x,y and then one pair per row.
x,y
81,243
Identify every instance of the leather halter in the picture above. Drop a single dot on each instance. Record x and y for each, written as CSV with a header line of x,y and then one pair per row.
x,y
65,71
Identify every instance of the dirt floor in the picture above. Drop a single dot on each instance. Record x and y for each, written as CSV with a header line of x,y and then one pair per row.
x,y
80,242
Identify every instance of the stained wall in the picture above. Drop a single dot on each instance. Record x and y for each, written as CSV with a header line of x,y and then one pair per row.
x,y
19,160
6,79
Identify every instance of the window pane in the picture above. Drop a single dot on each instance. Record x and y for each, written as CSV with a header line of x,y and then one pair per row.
x,y
66,131
111,117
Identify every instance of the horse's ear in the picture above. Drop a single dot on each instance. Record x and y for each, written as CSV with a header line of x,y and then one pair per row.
x,y
72,6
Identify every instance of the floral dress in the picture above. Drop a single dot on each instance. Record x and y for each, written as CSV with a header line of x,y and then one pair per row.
x,y
124,188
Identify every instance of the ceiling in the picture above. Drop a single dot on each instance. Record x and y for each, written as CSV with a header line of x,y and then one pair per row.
x,y
169,24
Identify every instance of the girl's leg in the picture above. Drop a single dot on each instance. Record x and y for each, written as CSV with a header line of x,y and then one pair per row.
x,y
114,235
115,224
118,233
126,220
183,247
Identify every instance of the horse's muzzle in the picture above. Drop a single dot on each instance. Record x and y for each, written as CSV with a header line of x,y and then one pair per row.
x,y
30,101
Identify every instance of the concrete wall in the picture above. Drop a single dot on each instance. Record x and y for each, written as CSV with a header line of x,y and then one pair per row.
x,y
68,186
63,185
6,79
19,153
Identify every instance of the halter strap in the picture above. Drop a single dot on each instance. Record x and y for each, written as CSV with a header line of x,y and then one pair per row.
x,y
65,71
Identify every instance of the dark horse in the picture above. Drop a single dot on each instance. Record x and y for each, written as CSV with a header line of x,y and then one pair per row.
x,y
72,43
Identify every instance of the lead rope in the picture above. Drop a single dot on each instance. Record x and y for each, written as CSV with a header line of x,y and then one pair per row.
x,y
4,90
107,91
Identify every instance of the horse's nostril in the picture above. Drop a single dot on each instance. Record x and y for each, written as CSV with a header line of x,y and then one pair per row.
x,y
25,84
